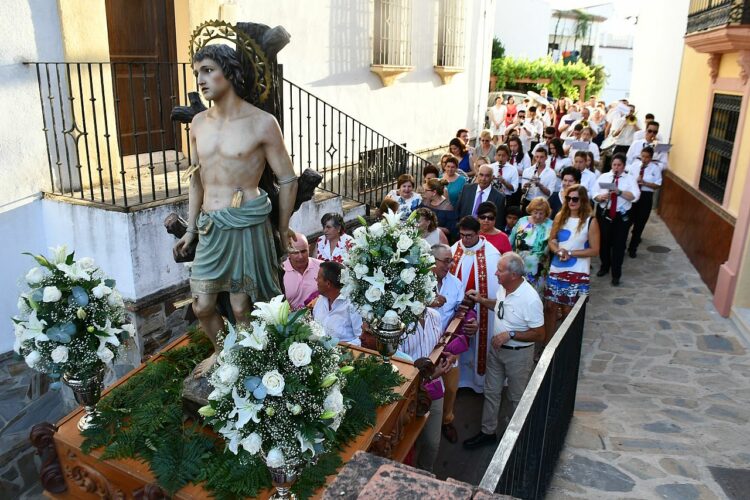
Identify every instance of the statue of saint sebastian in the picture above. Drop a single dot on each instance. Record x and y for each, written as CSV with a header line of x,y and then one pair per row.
x,y
233,141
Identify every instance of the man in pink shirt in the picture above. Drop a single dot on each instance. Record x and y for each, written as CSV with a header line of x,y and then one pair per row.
x,y
300,273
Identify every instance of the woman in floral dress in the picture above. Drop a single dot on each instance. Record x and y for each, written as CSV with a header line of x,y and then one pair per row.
x,y
334,244
529,238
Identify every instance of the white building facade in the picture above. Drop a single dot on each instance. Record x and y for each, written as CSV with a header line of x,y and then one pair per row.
x,y
442,64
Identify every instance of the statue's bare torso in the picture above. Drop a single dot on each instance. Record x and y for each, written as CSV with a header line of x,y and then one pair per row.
x,y
231,154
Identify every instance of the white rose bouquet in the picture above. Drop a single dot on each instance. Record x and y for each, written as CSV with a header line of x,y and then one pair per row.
x,y
71,320
277,387
389,271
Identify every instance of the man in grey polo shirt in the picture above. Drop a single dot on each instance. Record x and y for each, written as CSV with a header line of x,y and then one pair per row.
x,y
521,323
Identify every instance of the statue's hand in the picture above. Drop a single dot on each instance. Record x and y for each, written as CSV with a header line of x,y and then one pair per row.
x,y
181,247
291,237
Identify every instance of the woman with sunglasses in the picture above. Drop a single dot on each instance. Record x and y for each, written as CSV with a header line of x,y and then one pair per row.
x,y
574,239
486,213
485,150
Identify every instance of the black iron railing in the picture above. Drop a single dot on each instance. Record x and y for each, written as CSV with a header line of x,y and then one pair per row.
x,y
707,14
110,139
355,161
525,459
717,156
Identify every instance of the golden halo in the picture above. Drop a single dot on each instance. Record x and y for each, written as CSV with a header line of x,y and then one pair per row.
x,y
222,30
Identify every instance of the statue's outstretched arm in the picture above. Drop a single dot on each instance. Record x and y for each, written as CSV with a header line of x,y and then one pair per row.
x,y
281,165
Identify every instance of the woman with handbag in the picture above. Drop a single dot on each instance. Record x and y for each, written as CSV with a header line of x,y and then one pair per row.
x,y
573,240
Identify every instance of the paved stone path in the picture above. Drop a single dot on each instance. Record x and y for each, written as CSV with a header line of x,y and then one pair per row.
x,y
664,390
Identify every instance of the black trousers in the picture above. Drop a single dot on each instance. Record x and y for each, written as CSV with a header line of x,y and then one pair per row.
x,y
514,200
639,215
614,234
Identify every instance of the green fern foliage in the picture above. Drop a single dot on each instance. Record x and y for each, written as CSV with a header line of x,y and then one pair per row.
x,y
143,419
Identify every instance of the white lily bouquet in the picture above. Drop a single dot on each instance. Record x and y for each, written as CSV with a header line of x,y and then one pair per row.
x,y
388,276
71,320
277,387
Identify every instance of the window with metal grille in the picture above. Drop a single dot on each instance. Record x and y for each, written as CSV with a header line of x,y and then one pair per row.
x,y
719,145
392,35
450,43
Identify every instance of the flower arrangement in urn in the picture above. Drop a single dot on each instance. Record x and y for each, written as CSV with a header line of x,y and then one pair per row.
x,y
70,323
277,389
388,277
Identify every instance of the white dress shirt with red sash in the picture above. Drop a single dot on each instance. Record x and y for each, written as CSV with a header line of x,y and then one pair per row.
x,y
475,267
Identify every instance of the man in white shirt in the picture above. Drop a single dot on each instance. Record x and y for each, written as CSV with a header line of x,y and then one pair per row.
x,y
519,323
504,175
335,313
587,134
617,192
568,121
450,290
588,178
623,130
449,297
641,134
523,127
648,176
634,152
538,179
420,344
536,126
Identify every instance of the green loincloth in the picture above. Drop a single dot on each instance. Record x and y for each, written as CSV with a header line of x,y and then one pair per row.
x,y
236,252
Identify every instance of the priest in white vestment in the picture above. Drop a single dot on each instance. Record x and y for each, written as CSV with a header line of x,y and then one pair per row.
x,y
474,262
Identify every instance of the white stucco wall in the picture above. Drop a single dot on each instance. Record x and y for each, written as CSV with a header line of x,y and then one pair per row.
x,y
29,31
619,66
132,248
514,26
657,53
330,55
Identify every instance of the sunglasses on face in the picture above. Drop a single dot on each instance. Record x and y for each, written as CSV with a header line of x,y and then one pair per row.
x,y
486,217
467,236
572,198
650,131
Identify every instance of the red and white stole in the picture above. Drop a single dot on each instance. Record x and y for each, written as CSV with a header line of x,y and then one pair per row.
x,y
472,283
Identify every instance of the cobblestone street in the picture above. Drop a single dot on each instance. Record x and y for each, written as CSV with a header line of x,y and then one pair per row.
x,y
664,393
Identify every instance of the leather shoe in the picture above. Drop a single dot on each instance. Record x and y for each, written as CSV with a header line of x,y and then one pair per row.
x,y
450,433
615,281
480,439
632,253
602,272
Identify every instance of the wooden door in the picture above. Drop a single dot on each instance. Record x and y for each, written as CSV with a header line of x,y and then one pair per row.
x,y
144,70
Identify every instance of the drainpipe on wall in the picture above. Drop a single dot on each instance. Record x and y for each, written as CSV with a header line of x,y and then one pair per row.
x,y
485,68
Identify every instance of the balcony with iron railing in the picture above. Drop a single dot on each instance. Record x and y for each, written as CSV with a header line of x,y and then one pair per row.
x,y
707,14
111,141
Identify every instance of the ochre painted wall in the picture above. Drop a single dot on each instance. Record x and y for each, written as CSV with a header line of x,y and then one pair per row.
x,y
690,106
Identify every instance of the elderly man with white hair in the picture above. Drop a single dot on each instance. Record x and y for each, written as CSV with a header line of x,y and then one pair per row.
x,y
519,323
300,273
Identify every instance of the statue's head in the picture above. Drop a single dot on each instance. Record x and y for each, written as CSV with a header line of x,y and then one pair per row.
x,y
226,58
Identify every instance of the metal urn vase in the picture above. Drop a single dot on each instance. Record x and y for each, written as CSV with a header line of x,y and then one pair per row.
x,y
283,478
87,391
388,336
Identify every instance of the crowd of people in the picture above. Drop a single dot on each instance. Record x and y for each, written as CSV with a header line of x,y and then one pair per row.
x,y
513,223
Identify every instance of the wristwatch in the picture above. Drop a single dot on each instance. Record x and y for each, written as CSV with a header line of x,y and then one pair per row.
x,y
511,334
